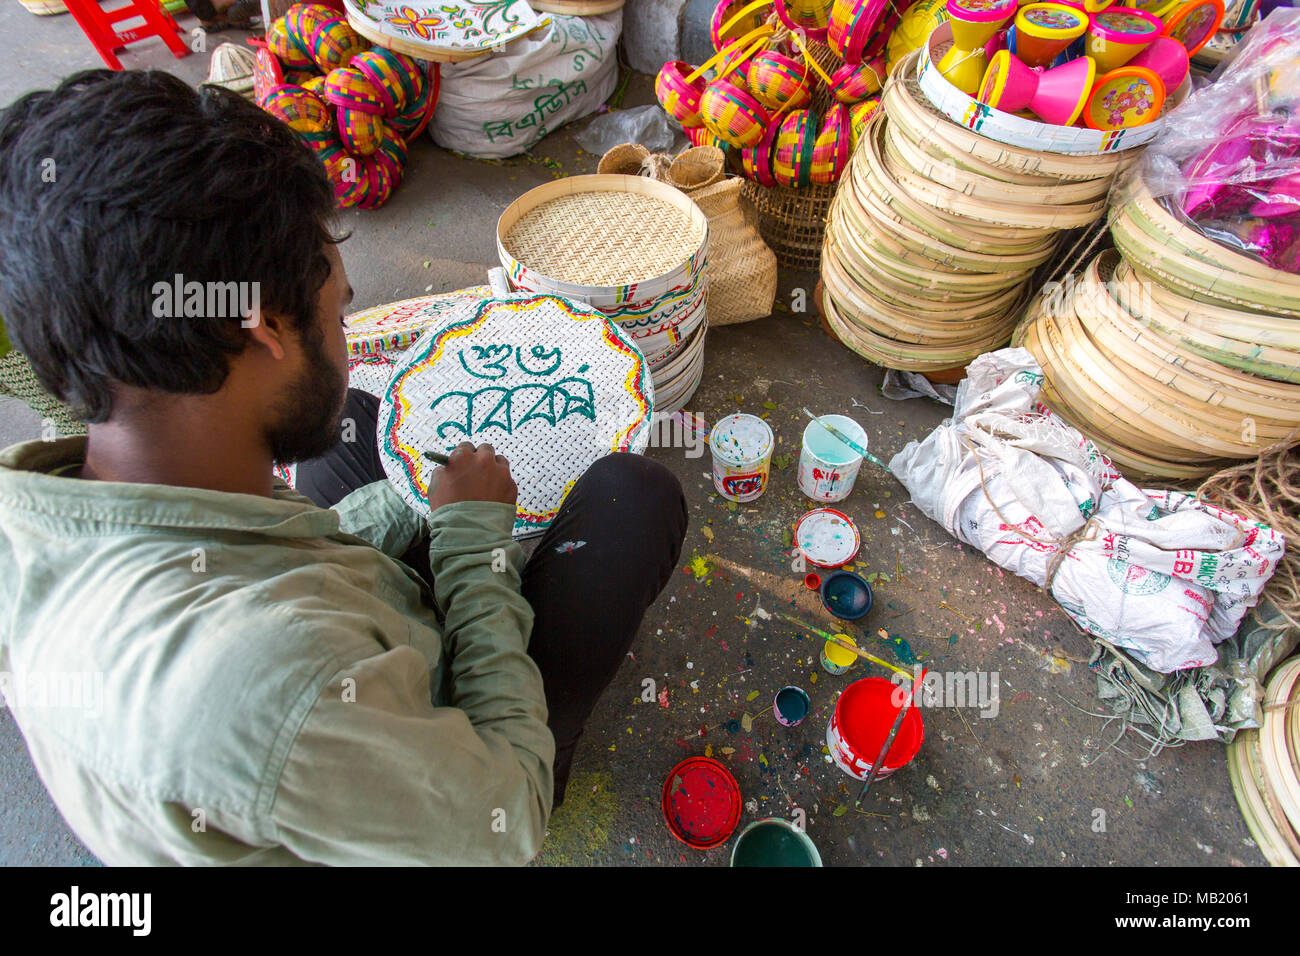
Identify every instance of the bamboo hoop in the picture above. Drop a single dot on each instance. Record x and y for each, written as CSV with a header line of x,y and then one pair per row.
x,y
1262,361
1246,785
973,183
903,98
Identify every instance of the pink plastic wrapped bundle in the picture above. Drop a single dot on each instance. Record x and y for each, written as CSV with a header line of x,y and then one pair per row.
x,y
1230,159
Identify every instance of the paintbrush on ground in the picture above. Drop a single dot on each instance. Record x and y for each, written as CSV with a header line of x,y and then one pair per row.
x,y
834,639
847,440
782,588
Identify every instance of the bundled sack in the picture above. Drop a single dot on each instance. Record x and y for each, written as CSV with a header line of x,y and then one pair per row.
x,y
500,104
1157,573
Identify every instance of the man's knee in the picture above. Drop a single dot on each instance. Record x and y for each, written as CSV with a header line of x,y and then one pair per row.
x,y
637,475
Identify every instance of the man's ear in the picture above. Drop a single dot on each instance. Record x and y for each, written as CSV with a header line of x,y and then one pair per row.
x,y
269,331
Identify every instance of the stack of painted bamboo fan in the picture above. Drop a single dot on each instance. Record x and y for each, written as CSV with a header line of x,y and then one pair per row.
x,y
1174,356
1264,766
936,231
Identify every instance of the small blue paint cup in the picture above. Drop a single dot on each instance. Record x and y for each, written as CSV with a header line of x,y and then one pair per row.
x,y
790,706
847,595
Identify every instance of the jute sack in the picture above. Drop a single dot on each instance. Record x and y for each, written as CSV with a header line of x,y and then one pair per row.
x,y
741,268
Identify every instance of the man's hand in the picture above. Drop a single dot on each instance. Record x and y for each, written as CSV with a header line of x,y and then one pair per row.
x,y
473,474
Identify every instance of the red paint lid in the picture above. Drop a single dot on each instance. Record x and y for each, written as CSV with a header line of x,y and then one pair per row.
x,y
701,802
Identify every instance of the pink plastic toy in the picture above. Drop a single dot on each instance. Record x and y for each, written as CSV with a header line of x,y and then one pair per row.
x,y
1055,96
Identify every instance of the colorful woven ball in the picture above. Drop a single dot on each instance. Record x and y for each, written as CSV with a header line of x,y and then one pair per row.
x,y
314,85
398,80
851,83
679,98
831,150
723,14
732,114
859,115
810,17
300,23
699,136
286,52
853,26
334,43
756,162
793,156
302,111
347,88
777,80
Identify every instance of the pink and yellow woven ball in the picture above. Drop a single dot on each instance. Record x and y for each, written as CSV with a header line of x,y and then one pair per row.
x,y
853,27
851,83
809,17
859,116
831,150
302,111
724,13
679,98
777,81
699,136
334,43
793,156
732,114
756,162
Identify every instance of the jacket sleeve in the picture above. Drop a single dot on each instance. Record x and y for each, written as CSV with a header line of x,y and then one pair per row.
x,y
376,513
377,774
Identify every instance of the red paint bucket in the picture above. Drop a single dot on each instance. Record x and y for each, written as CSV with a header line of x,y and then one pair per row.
x,y
863,716
701,802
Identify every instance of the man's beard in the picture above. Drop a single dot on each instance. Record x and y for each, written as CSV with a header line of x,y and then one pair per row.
x,y
310,413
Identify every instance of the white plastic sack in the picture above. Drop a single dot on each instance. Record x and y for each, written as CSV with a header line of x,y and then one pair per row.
x,y
1155,572
502,103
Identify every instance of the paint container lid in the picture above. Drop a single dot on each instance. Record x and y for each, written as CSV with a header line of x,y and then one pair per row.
x,y
847,595
741,440
701,802
827,538
812,581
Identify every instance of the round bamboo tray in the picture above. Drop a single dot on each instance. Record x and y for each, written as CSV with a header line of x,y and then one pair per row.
x,y
1264,766
44,8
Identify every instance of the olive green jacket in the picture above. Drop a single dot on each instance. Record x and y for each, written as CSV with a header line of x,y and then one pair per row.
x,y
205,677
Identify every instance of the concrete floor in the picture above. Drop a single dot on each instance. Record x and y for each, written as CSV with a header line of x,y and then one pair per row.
x,y
1023,788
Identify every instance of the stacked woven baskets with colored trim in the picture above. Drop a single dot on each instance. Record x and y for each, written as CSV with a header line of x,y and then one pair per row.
x,y
790,84
355,105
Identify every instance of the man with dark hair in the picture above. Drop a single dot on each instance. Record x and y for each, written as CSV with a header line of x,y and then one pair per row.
x,y
274,680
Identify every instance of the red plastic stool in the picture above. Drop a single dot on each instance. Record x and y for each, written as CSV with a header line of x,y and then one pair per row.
x,y
100,27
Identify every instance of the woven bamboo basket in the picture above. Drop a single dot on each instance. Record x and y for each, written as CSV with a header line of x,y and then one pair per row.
x,y
792,221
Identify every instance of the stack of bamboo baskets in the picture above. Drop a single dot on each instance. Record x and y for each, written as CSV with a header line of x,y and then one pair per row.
x,y
1175,355
1264,766
936,232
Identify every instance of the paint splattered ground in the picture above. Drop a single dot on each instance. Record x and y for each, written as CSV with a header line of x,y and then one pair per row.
x,y
1023,788
1031,786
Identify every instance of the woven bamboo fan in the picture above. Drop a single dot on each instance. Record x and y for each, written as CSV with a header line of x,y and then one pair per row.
x,y
551,384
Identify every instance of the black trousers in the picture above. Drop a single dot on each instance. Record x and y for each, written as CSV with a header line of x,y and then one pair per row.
x,y
588,599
